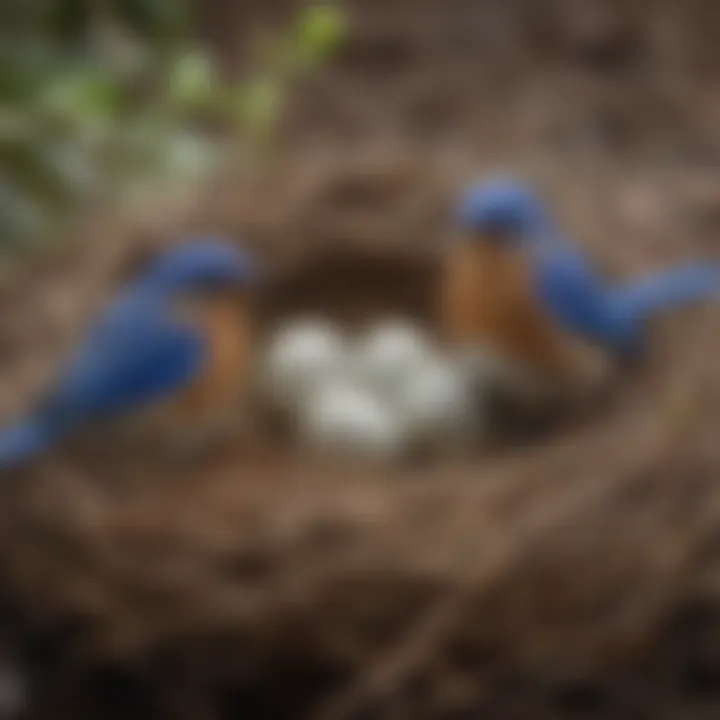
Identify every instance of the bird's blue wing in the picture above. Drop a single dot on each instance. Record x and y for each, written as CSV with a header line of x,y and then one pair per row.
x,y
575,297
138,358
670,288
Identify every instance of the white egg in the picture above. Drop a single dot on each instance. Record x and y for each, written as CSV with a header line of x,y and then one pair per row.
x,y
439,406
388,354
342,418
298,358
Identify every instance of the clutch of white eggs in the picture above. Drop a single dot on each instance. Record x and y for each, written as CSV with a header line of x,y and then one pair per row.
x,y
378,396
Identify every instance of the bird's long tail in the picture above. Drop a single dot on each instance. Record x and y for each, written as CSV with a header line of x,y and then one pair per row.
x,y
668,289
21,442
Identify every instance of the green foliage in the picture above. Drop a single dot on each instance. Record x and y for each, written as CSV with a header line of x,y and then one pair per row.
x,y
192,81
318,32
94,109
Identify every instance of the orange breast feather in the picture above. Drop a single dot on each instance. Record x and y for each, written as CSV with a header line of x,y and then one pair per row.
x,y
217,394
486,298
228,331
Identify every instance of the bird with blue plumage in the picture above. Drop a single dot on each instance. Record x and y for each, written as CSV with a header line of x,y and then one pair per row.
x,y
514,284
169,356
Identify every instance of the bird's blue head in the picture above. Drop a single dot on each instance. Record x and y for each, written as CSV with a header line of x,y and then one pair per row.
x,y
204,265
502,210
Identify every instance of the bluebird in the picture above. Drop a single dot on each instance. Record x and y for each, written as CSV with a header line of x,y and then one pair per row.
x,y
170,353
519,287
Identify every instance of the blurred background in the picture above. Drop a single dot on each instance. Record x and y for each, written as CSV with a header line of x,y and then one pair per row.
x,y
575,578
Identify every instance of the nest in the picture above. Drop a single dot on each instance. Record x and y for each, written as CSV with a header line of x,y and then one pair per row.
x,y
573,577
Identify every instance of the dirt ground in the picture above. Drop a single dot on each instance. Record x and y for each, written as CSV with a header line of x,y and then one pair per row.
x,y
577,576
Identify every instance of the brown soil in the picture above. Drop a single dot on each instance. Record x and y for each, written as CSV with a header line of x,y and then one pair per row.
x,y
574,577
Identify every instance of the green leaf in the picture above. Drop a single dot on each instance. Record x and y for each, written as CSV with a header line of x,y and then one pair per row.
x,y
320,29
260,103
79,96
192,80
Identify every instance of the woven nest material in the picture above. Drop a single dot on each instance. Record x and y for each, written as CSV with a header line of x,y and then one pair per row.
x,y
573,577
